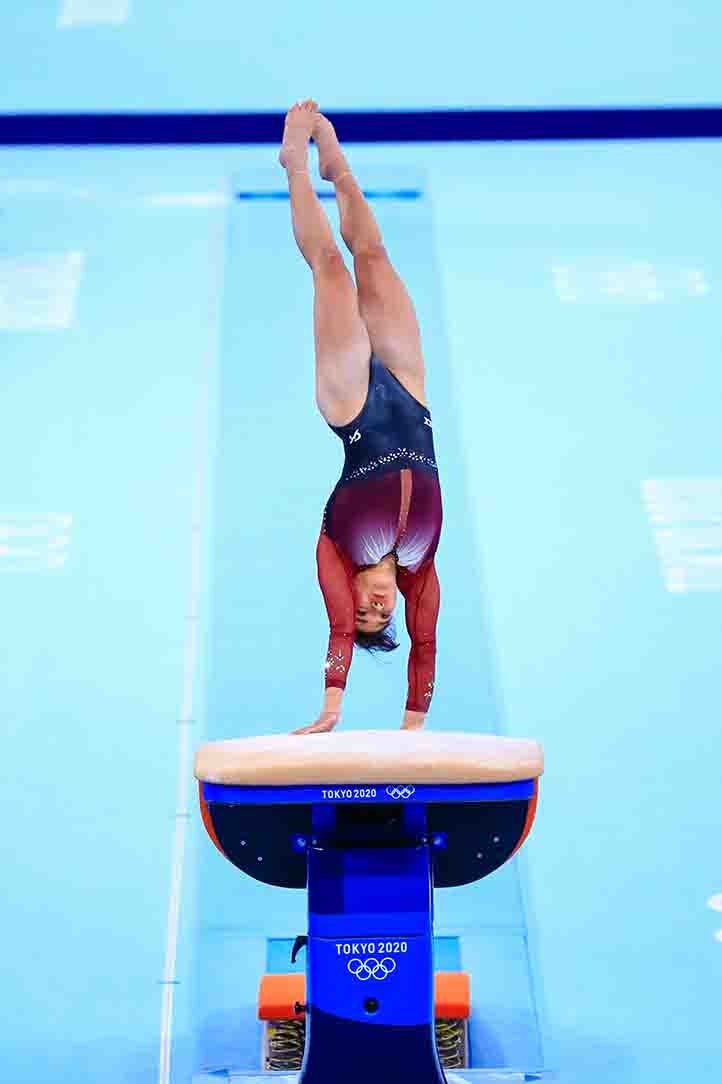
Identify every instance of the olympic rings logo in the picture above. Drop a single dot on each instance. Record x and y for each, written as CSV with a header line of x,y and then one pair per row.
x,y
400,792
364,970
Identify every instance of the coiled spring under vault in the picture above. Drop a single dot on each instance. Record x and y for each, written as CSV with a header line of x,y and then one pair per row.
x,y
286,1040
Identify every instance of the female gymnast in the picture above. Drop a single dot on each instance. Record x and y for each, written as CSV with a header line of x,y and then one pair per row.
x,y
382,523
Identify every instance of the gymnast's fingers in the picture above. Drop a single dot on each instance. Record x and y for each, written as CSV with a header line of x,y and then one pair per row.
x,y
321,726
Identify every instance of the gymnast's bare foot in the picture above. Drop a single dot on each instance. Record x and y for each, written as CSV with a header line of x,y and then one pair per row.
x,y
300,118
331,160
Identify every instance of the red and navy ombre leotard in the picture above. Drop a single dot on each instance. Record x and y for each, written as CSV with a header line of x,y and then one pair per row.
x,y
388,500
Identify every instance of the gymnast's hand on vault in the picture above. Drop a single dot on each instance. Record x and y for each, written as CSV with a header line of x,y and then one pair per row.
x,y
326,721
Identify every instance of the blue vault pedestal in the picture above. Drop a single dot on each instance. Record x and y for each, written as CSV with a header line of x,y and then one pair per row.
x,y
370,856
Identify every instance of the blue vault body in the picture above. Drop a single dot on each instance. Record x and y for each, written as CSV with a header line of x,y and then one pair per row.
x,y
370,857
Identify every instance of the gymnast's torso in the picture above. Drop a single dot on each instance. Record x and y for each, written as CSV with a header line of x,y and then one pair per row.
x,y
387,500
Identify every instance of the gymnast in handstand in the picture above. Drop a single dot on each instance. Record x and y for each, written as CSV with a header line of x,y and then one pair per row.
x,y
382,523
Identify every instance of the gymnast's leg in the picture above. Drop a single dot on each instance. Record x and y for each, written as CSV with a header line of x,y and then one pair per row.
x,y
343,349
384,302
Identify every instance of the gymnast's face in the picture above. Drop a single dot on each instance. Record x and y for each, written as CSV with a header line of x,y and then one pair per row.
x,y
375,595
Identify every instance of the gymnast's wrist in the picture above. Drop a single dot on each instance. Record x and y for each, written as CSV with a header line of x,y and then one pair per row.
x,y
413,720
332,700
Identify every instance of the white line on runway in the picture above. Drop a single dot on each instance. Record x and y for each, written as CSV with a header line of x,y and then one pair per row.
x,y
191,655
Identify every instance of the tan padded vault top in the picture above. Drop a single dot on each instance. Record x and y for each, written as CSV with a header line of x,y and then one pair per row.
x,y
369,756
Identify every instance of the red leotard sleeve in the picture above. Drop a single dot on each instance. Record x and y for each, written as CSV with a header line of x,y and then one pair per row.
x,y
422,594
335,573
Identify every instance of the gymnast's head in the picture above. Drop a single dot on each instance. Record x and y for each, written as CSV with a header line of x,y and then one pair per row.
x,y
375,594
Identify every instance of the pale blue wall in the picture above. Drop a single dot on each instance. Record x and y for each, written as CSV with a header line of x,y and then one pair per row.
x,y
223,55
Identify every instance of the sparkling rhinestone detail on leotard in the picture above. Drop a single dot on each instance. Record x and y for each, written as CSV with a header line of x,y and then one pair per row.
x,y
334,664
390,457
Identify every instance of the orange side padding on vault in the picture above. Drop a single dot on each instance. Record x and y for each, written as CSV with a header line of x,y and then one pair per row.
x,y
530,815
277,994
205,814
453,995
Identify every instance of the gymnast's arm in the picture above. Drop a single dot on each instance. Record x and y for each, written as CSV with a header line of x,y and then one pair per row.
x,y
333,576
422,593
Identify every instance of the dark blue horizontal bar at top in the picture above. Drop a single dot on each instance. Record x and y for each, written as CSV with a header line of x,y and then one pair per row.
x,y
368,793
385,126
369,193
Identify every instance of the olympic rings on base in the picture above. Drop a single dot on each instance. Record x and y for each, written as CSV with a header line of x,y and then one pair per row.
x,y
364,970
